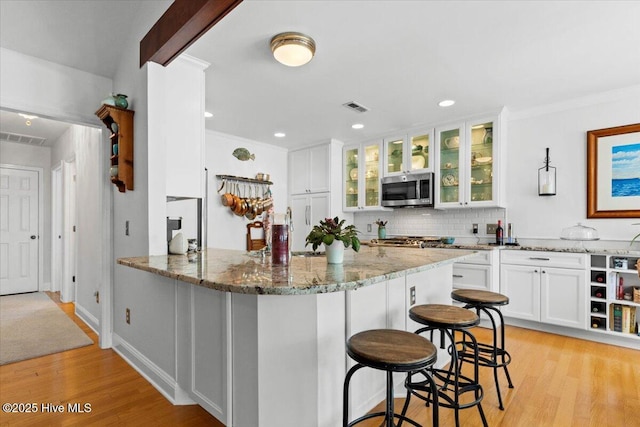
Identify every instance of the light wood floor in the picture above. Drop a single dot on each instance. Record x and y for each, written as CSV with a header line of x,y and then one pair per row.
x,y
118,395
559,381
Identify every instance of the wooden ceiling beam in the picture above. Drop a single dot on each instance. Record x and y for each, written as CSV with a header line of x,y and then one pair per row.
x,y
182,24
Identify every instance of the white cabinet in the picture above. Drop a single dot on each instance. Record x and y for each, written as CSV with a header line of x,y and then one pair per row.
x,y
469,167
307,210
361,176
546,287
310,170
408,153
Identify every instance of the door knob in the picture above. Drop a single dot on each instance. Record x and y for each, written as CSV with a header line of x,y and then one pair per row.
x,y
33,237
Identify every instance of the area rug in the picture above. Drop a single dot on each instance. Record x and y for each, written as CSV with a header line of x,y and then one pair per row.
x,y
32,325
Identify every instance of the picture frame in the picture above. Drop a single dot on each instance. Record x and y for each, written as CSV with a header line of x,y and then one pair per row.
x,y
613,172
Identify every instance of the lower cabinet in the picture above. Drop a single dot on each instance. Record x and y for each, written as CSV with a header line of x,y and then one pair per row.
x,y
480,273
541,289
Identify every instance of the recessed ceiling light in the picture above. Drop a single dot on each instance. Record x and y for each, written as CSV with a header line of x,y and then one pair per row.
x,y
279,134
446,103
208,115
357,126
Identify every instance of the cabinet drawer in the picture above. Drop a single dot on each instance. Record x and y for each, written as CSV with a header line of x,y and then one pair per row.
x,y
482,257
471,276
544,259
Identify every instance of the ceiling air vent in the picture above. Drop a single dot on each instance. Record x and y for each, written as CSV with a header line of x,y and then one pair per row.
x,y
22,139
352,105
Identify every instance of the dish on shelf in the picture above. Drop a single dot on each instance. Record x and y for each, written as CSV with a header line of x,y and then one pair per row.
x,y
448,180
418,161
114,127
353,174
483,160
453,142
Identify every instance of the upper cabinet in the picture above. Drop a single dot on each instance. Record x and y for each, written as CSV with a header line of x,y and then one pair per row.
x,y
469,165
309,170
408,153
361,176
119,121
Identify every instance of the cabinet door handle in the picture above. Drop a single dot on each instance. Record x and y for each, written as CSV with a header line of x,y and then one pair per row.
x,y
543,272
458,276
540,258
535,271
307,220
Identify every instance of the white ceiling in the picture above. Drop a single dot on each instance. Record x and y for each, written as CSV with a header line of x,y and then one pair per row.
x,y
398,58
15,125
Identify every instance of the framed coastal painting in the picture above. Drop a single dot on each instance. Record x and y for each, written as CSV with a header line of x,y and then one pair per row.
x,y
613,172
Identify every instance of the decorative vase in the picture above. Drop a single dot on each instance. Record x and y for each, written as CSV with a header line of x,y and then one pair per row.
x,y
335,252
121,100
382,232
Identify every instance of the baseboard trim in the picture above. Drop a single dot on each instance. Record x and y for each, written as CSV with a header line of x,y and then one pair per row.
x,y
158,378
601,337
89,319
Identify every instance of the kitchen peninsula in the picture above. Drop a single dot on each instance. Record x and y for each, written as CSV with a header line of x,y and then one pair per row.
x,y
262,345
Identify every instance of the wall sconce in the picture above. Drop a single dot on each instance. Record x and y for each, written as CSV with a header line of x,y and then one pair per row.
x,y
547,178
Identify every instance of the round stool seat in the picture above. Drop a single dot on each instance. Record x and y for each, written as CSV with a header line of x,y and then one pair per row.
x,y
391,350
446,316
473,296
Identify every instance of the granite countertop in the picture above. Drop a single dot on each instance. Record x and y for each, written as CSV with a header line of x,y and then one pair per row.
x,y
250,273
576,248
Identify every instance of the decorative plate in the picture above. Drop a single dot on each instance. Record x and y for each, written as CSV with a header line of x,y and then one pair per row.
x,y
353,174
448,180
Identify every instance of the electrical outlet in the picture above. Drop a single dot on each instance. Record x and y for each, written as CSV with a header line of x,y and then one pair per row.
x,y
491,228
475,228
126,228
128,316
368,228
412,295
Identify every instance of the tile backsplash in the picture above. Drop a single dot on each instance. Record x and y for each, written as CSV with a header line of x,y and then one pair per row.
x,y
430,222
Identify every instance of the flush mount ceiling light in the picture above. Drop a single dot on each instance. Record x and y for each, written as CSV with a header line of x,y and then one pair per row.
x,y
279,134
293,49
208,115
357,126
446,103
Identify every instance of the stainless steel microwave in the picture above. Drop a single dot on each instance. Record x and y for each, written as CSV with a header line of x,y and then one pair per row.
x,y
410,190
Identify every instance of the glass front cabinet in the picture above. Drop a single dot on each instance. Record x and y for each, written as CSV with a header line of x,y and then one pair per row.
x,y
468,166
361,176
408,153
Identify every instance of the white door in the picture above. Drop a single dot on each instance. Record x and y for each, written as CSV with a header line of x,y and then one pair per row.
x,y
19,238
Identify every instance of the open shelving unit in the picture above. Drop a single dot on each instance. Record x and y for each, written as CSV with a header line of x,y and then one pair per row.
x,y
119,121
605,274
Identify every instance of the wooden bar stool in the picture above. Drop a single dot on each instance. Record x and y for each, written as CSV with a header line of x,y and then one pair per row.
x,y
453,388
392,351
493,354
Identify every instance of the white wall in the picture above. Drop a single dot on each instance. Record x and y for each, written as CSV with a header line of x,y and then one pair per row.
x,y
227,230
50,90
563,128
26,155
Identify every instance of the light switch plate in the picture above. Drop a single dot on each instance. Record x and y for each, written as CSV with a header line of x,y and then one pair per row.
x,y
491,228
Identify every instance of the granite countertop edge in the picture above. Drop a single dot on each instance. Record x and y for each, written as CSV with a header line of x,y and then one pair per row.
x,y
304,284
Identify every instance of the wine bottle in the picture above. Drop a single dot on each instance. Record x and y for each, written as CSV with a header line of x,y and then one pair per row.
x,y
499,234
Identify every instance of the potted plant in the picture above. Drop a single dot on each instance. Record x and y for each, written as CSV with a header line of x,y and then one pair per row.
x,y
331,232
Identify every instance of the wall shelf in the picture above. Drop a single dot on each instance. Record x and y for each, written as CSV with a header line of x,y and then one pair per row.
x,y
119,121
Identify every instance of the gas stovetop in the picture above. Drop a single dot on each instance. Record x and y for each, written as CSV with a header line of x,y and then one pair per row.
x,y
407,241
